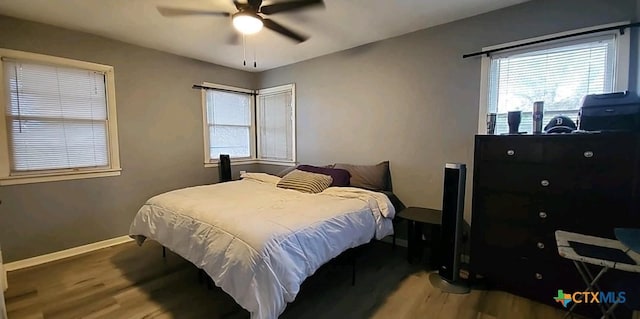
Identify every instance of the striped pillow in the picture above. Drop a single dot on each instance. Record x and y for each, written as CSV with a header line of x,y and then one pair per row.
x,y
305,182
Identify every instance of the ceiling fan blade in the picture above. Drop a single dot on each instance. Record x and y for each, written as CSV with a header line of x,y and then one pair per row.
x,y
270,24
175,12
255,3
290,6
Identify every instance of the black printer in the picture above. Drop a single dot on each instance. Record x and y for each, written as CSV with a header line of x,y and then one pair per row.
x,y
618,111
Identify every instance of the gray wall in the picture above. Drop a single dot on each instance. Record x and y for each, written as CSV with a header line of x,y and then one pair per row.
x,y
412,99
160,135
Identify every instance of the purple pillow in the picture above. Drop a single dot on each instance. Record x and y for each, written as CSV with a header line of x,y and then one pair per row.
x,y
340,177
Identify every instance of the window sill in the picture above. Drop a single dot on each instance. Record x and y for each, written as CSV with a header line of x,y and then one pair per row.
x,y
281,163
253,161
234,162
29,179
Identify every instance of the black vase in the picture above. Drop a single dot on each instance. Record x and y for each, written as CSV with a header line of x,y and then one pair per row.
x,y
513,119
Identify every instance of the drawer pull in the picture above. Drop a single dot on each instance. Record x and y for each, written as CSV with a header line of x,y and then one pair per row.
x,y
542,215
540,245
538,276
588,154
510,152
544,183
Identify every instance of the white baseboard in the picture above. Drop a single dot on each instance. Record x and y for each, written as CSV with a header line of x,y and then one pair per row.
x,y
39,260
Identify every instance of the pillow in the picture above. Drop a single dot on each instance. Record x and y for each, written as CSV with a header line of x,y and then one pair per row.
x,y
261,177
286,171
289,169
373,177
305,182
340,176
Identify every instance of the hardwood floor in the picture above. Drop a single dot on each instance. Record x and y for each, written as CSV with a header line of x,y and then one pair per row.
x,y
127,281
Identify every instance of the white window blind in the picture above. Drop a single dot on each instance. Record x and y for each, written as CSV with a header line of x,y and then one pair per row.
x,y
248,129
275,116
229,120
56,117
560,75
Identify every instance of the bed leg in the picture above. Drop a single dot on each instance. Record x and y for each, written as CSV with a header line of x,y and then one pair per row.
x,y
164,252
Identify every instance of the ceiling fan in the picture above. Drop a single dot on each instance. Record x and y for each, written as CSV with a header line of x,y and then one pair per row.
x,y
249,17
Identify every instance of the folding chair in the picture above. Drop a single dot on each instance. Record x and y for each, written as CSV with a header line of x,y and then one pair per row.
x,y
603,252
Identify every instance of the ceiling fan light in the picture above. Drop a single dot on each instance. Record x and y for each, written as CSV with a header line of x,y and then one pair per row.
x,y
247,23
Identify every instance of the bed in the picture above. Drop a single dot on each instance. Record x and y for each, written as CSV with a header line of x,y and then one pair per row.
x,y
259,242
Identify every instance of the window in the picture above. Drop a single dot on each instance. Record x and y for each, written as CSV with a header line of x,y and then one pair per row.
x,y
249,126
59,119
558,73
229,123
275,121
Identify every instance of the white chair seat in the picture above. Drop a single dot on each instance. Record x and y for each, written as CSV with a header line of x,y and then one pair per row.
x,y
565,250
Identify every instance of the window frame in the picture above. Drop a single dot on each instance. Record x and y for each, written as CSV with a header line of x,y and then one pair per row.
x,y
279,89
621,68
208,161
113,169
254,133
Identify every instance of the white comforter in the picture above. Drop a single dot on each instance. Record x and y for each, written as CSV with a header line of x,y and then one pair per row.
x,y
259,242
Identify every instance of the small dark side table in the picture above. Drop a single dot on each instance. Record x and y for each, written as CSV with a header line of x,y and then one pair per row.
x,y
417,218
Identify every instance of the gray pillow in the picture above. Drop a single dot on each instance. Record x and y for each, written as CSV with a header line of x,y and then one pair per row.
x,y
373,177
305,182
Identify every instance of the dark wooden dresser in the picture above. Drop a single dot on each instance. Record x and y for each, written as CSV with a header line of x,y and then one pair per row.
x,y
526,187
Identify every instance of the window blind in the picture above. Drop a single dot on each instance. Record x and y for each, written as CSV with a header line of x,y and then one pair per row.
x,y
276,126
229,121
56,117
559,75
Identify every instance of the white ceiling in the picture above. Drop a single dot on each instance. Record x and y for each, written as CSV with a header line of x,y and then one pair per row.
x,y
342,24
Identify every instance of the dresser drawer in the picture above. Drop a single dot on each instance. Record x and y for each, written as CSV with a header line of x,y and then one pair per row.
x,y
511,177
520,269
517,215
524,179
542,247
592,151
542,213
599,214
541,281
506,207
510,150
611,180
538,279
503,238
516,241
546,179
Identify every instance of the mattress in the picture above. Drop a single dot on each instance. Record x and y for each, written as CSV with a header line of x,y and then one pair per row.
x,y
259,242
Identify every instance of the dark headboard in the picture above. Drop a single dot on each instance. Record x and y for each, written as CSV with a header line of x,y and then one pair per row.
x,y
395,201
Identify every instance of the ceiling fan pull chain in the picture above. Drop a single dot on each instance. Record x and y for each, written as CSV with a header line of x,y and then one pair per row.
x,y
244,51
255,64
